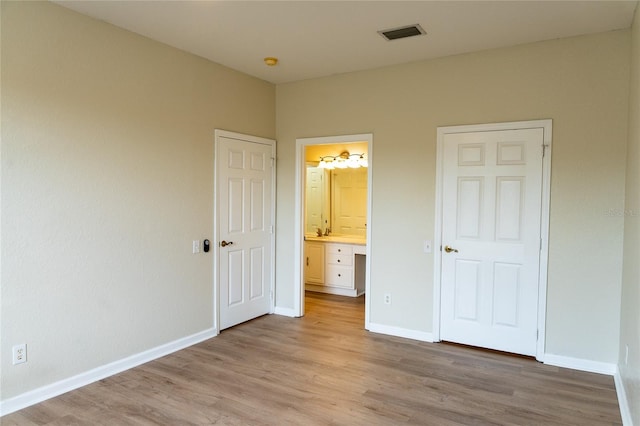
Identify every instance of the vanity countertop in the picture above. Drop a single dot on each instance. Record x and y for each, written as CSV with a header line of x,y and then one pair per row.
x,y
345,239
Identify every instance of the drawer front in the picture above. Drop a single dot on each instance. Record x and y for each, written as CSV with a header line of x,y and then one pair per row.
x,y
339,259
337,276
340,249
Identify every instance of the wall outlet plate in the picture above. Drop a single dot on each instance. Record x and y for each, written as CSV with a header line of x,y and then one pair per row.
x,y
626,355
19,353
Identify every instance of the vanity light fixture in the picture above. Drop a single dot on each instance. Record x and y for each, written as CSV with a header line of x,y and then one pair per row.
x,y
326,163
343,161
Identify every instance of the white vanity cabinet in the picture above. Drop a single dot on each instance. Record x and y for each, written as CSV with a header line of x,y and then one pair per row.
x,y
314,263
339,265
342,268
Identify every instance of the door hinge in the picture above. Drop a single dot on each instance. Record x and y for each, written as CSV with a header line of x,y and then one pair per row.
x,y
271,229
544,149
537,335
273,161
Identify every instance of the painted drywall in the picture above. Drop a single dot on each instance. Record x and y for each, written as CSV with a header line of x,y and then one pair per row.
x,y
630,311
107,177
581,83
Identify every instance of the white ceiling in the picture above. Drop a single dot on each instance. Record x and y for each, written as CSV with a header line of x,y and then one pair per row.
x,y
320,38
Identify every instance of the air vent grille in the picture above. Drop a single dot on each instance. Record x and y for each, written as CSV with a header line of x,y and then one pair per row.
x,y
402,32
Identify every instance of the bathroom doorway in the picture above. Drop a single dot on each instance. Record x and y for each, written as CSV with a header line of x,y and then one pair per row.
x,y
333,213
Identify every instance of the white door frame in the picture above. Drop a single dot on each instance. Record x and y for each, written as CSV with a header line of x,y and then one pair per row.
x,y
218,133
298,277
546,125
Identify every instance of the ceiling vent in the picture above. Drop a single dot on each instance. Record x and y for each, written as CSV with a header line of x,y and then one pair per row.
x,y
402,32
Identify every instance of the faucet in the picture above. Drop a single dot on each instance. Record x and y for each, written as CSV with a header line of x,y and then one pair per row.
x,y
319,232
327,232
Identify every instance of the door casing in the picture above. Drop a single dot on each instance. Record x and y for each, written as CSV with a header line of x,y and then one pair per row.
x,y
218,133
546,125
298,283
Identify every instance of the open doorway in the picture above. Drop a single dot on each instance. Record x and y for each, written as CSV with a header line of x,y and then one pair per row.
x,y
332,240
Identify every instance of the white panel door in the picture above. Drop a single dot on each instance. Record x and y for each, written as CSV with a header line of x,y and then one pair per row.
x,y
491,210
244,188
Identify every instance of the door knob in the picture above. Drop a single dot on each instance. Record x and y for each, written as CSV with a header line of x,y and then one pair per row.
x,y
224,243
449,249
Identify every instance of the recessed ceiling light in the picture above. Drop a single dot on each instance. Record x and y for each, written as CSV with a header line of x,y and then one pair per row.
x,y
271,61
402,32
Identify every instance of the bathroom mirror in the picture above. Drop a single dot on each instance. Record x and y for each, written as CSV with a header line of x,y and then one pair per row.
x,y
336,199
317,199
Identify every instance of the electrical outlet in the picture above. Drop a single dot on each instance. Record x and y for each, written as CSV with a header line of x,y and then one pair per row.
x,y
20,353
387,298
626,355
196,246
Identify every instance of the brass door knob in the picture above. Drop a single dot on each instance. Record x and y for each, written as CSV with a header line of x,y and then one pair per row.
x,y
449,249
224,243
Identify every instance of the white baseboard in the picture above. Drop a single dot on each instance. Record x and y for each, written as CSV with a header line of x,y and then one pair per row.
x,y
400,332
58,388
287,312
625,410
580,364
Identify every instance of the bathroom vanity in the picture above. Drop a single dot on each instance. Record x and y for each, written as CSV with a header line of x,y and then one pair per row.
x,y
335,265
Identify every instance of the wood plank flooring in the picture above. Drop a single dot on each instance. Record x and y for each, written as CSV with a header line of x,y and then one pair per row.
x,y
325,369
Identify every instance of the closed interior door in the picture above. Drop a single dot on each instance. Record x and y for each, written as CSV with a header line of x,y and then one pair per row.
x,y
245,231
491,215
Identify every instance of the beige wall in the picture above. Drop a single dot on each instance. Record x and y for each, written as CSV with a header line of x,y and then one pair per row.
x,y
581,83
630,315
107,170
106,174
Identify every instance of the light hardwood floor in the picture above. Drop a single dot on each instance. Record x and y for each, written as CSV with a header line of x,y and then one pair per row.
x,y
325,369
